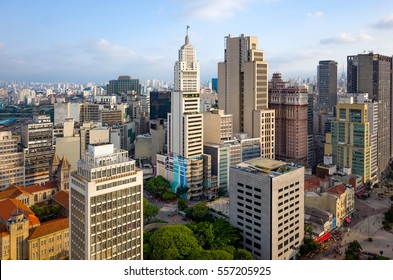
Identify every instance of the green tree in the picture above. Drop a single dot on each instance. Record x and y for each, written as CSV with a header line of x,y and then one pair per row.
x,y
173,242
182,204
204,233
353,250
241,254
199,212
158,185
168,195
149,210
224,233
309,246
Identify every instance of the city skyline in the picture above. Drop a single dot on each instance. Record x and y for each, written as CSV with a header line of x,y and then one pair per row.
x,y
90,41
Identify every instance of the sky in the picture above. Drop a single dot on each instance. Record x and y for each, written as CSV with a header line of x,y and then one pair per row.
x,y
96,41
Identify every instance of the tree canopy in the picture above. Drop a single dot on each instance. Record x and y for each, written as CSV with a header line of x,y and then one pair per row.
x,y
173,242
353,250
149,210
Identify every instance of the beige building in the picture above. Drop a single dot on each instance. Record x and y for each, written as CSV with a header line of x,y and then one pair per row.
x,y
49,241
106,206
92,133
12,169
339,200
23,237
243,90
217,127
267,206
69,145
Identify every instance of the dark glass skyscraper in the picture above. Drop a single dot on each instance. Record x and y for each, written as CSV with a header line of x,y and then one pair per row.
x,y
160,104
327,84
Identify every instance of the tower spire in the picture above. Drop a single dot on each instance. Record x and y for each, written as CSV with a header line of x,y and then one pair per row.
x,y
187,38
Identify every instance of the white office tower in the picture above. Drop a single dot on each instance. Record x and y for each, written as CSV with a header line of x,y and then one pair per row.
x,y
185,131
106,220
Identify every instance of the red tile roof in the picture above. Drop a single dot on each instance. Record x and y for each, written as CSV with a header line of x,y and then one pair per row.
x,y
12,192
340,189
38,188
62,198
9,205
49,228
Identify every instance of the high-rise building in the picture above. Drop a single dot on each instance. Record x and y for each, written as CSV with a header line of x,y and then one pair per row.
x,y
123,84
372,73
290,104
12,171
327,84
310,131
185,128
185,122
106,193
243,90
37,141
267,206
350,142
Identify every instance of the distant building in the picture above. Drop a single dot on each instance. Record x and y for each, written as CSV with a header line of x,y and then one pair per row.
x,y
291,120
12,170
327,84
267,206
37,142
124,84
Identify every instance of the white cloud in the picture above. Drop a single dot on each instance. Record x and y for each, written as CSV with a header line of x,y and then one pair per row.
x,y
385,23
108,50
317,14
344,38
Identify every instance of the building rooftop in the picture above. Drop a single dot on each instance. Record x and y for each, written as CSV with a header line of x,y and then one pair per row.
x,y
266,166
8,206
340,189
37,188
62,198
49,228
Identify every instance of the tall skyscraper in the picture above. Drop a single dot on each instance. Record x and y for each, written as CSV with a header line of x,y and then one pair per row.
x,y
267,205
372,73
37,141
327,84
243,90
106,220
290,104
185,122
184,164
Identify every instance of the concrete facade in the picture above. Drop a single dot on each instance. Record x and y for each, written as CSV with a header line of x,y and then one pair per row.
x,y
267,205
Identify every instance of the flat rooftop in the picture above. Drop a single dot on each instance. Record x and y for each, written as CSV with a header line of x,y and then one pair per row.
x,y
270,167
265,163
